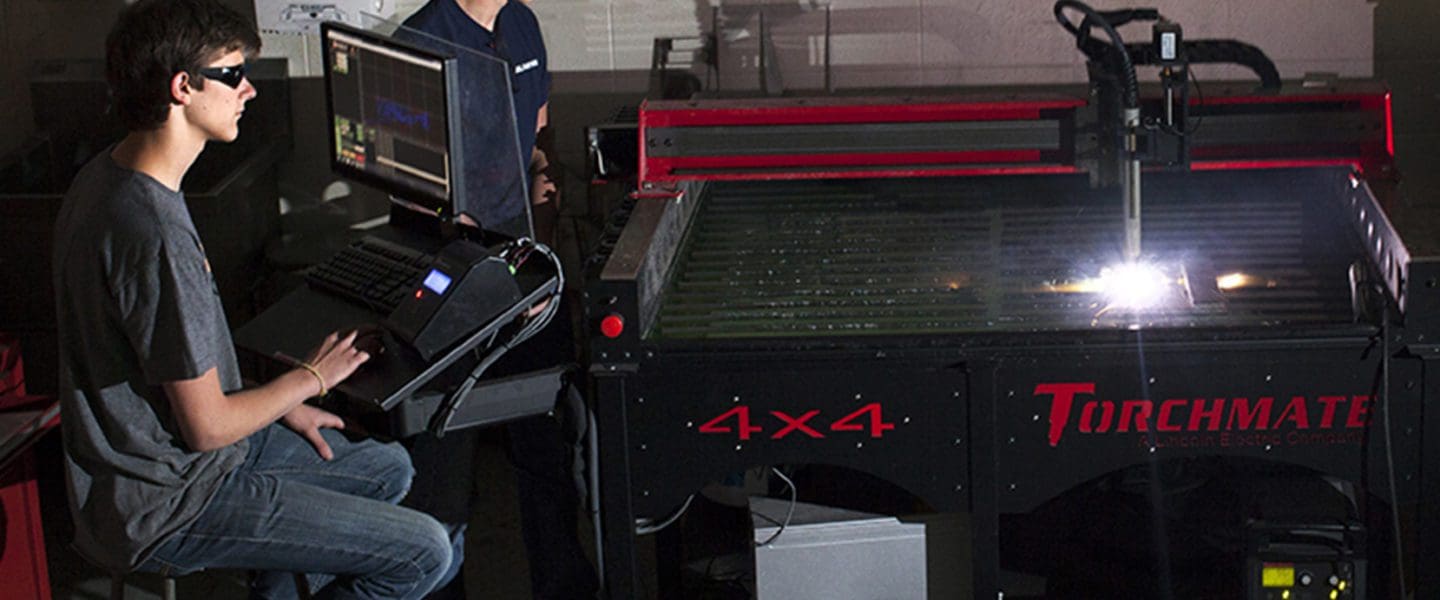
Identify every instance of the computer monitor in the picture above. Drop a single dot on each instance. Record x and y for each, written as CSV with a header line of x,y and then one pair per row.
x,y
394,115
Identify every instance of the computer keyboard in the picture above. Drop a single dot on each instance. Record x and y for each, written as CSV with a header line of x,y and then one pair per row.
x,y
372,272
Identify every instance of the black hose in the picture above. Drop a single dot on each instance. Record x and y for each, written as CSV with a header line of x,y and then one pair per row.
x,y
1094,18
1237,53
1216,52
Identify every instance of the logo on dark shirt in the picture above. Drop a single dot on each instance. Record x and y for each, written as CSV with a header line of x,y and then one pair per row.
x,y
527,65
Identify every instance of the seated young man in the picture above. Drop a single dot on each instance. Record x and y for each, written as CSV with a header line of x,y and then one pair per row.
x,y
172,466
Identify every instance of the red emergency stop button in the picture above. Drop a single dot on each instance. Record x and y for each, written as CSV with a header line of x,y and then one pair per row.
x,y
612,325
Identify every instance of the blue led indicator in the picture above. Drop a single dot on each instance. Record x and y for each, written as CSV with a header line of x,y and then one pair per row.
x,y
437,282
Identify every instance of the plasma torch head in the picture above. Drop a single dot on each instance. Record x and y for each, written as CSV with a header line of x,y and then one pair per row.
x,y
1130,185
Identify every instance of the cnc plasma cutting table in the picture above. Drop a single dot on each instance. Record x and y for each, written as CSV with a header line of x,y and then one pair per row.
x,y
925,291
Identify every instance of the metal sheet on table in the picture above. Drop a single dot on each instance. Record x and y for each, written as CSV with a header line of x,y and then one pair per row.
x,y
1005,254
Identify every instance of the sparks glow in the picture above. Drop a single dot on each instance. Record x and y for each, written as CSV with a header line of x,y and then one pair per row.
x,y
1230,281
1089,285
1234,281
1134,285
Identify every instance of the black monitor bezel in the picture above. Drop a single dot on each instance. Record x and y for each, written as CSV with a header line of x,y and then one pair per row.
x,y
444,209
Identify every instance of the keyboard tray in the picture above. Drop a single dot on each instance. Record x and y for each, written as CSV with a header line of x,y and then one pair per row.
x,y
491,402
297,323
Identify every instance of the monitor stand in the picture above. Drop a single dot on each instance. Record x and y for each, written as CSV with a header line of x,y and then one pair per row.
x,y
419,223
427,226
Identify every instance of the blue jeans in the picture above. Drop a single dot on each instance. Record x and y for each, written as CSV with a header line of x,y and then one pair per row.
x,y
287,510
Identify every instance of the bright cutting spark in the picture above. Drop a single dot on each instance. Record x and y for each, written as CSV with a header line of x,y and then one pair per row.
x,y
1134,285
1130,286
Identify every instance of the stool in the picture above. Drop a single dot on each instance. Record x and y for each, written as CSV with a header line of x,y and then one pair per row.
x,y
117,587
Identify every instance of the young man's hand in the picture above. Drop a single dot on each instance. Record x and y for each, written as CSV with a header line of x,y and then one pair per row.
x,y
332,362
337,358
307,421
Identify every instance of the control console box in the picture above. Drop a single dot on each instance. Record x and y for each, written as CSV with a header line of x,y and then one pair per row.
x,y
465,287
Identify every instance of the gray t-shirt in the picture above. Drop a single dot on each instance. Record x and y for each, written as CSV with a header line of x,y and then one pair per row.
x,y
136,307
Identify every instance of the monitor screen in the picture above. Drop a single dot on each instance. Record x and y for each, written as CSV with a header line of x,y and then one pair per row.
x,y
393,116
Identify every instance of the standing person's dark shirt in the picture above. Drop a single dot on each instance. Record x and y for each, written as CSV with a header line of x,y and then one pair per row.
x,y
543,458
516,39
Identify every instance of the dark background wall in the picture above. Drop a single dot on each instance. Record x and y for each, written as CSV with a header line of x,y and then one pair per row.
x,y
1407,56
38,30
34,31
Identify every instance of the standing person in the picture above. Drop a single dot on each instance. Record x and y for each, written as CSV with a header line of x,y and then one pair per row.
x,y
543,456
171,466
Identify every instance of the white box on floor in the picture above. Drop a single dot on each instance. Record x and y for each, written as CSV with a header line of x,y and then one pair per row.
x,y
836,554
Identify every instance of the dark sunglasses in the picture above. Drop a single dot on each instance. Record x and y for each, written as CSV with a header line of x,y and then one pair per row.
x,y
230,76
